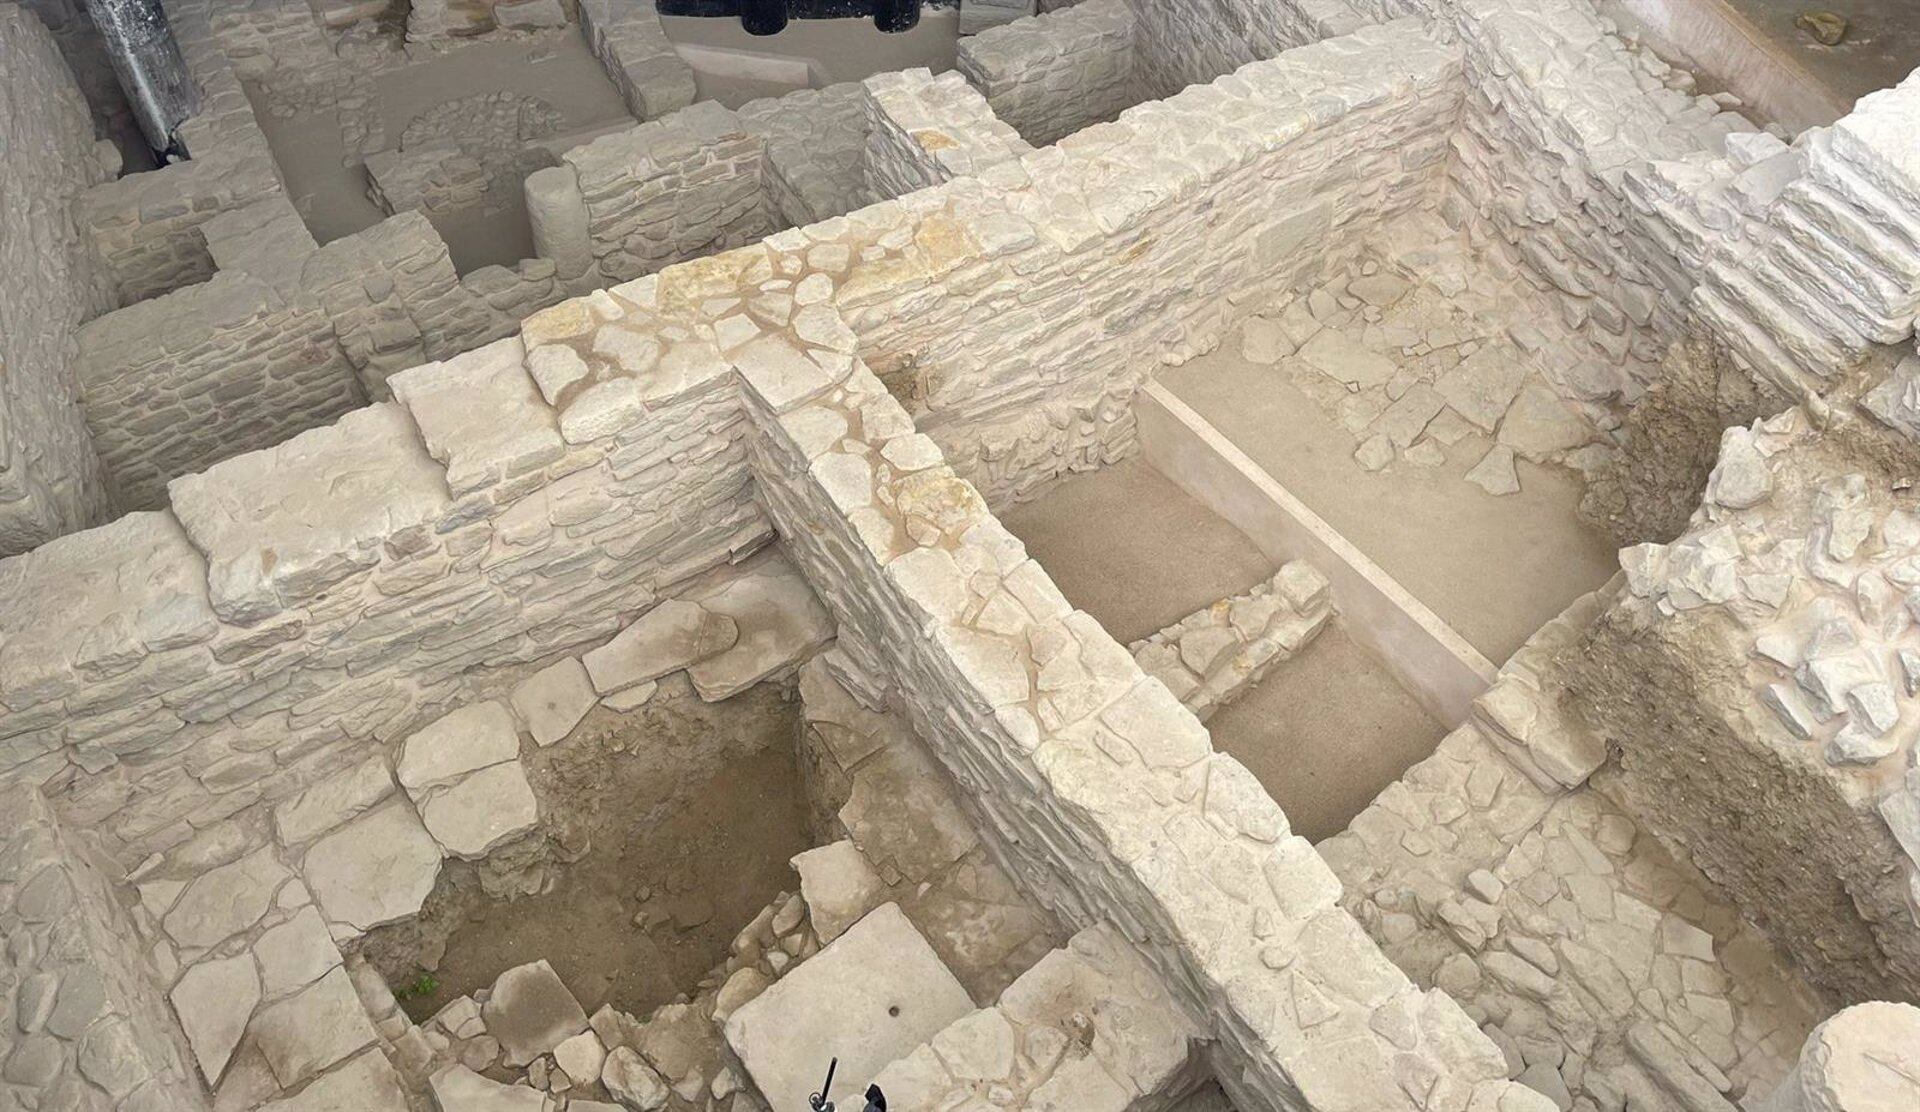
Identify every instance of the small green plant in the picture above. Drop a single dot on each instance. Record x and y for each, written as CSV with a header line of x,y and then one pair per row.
x,y
423,985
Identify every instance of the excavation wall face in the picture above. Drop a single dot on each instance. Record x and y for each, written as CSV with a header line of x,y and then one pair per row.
x,y
97,1035
1052,75
1182,42
1023,309
49,477
146,227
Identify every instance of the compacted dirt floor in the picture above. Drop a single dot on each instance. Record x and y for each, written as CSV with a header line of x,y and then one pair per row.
x,y
1324,731
671,860
1494,568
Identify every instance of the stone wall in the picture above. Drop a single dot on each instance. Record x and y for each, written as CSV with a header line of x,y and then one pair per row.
x,y
1100,789
1178,43
1017,313
88,1028
49,476
639,58
168,671
676,188
272,39
179,382
1769,651
816,150
146,227
924,131
1051,75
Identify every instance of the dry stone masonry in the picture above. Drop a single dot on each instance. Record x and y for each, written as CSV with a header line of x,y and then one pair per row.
x,y
351,599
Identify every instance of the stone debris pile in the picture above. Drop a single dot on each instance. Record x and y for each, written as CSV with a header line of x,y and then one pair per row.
x,y
1214,655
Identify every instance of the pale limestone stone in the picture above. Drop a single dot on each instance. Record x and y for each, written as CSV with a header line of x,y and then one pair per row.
x,y
552,701
633,1082
780,623
1332,354
665,639
458,743
1265,341
482,811
1495,473
221,902
458,1089
306,1033
581,1057
839,885
531,1012
890,993
376,869
214,1000
1539,425
368,1083
333,801
296,953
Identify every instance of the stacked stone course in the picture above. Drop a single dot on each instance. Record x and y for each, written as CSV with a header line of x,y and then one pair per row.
x,y
1051,75
924,131
49,283
637,55
816,150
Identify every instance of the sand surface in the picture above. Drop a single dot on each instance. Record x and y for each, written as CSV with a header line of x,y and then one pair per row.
x,y
1494,568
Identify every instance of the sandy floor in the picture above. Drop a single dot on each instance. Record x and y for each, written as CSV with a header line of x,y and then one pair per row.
x,y
702,859
1326,732
840,50
557,68
1133,550
1881,47
1495,569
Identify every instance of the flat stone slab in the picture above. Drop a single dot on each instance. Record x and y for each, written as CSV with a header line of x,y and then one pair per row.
x,y
214,1000
296,953
1342,360
467,739
661,641
333,801
459,1089
531,1012
222,902
870,997
552,701
304,1034
840,887
376,869
489,807
781,623
368,1083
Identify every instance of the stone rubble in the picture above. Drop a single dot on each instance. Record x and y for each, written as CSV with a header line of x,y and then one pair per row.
x,y
1212,656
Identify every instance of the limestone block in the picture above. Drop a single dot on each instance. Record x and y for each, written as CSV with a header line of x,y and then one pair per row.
x,y
214,1001
480,416
671,636
457,1087
221,902
552,701
531,1012
462,741
779,620
308,1032
332,801
296,953
376,869
840,887
482,811
367,1083
871,996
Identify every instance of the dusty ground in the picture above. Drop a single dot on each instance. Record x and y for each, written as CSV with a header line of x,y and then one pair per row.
x,y
1133,550
686,811
1495,569
331,193
1326,732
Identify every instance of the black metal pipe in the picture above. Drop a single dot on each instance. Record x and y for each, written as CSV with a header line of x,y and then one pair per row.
x,y
893,16
147,60
763,17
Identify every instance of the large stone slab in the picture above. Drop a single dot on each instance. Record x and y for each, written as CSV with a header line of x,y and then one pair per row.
x,y
839,885
488,808
870,997
368,1083
467,739
333,801
552,701
304,1034
781,623
374,870
531,1012
459,1089
214,1000
665,639
296,953
222,902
